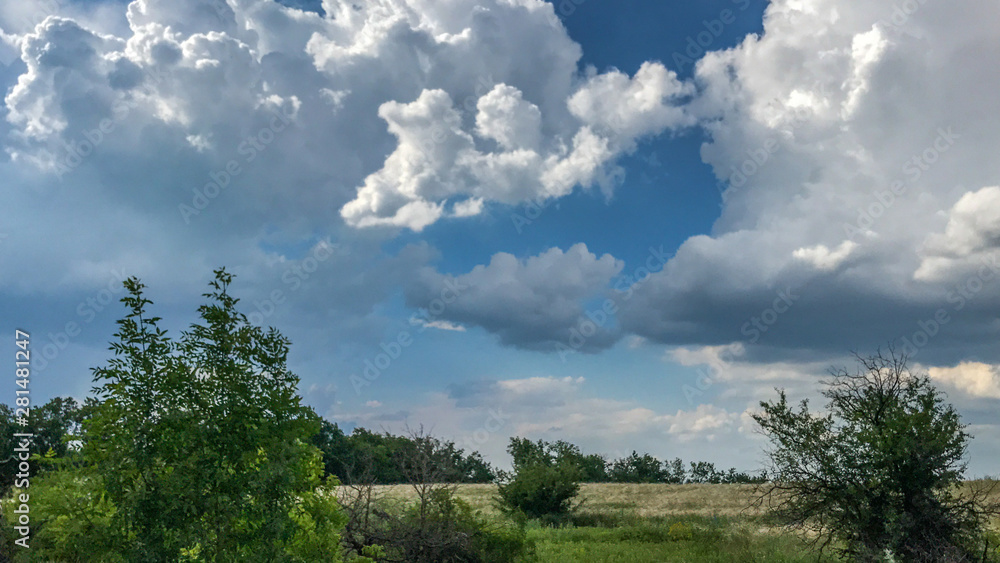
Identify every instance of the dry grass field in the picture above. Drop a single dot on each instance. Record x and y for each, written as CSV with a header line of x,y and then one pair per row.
x,y
647,500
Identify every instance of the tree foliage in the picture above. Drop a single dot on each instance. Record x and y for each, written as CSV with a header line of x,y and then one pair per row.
x,y
545,479
203,445
878,471
348,456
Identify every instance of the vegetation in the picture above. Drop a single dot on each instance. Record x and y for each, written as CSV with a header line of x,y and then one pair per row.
x,y
878,473
375,456
435,526
545,480
196,449
200,450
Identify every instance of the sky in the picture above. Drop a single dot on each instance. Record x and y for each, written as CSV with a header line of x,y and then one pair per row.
x,y
618,223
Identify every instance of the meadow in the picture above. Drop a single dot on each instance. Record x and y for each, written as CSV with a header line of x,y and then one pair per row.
x,y
657,523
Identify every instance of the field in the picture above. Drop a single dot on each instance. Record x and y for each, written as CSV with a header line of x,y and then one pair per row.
x,y
656,523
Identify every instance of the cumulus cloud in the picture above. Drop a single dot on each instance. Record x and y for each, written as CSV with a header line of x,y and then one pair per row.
x,y
437,160
822,199
211,119
971,235
533,303
823,258
975,379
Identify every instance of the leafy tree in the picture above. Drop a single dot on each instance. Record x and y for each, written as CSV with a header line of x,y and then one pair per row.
x,y
594,469
637,468
52,425
203,445
545,480
374,455
674,471
878,471
704,472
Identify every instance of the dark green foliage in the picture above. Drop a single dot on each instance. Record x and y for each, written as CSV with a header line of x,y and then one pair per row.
x,y
704,472
634,468
673,471
437,528
637,468
545,480
52,424
374,454
878,472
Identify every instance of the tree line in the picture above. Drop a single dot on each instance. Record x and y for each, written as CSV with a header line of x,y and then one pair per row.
x,y
367,455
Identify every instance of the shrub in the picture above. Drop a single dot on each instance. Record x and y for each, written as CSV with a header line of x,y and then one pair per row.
x,y
540,491
680,532
70,520
437,528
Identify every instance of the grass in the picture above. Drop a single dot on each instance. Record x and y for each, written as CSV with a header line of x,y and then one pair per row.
x,y
658,523
673,538
653,499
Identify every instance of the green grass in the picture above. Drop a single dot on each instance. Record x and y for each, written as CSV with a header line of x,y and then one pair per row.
x,y
659,539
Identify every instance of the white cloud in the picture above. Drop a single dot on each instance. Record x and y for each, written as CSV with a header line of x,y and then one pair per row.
x,y
798,121
972,231
436,158
443,325
975,379
823,258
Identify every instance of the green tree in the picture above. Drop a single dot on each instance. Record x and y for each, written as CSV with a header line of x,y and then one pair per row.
x,y
637,468
878,471
704,472
545,480
52,426
203,444
674,471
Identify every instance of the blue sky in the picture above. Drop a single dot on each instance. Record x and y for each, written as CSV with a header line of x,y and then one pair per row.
x,y
752,189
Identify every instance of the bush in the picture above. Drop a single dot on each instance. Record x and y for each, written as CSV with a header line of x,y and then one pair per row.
x,y
437,528
70,520
540,491
680,532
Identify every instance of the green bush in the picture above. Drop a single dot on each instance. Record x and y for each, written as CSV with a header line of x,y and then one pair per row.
x,y
540,491
70,520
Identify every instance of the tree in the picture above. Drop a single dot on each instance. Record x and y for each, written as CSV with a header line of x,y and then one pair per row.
x,y
637,468
203,445
878,471
52,425
545,480
704,472
674,471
